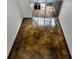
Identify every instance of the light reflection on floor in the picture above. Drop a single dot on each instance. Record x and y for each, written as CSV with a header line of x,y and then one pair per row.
x,y
41,21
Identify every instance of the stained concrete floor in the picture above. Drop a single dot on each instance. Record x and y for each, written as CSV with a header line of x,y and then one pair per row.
x,y
39,43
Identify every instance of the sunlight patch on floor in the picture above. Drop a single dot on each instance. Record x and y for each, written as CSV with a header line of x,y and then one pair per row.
x,y
41,21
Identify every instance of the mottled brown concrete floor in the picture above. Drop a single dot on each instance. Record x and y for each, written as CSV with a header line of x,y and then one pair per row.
x,y
39,43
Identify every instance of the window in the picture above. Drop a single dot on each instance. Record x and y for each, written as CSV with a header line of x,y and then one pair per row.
x,y
50,1
44,12
38,1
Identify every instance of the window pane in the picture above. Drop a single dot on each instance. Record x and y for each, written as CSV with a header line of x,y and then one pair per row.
x,y
41,12
34,1
34,11
39,1
50,11
50,1
38,12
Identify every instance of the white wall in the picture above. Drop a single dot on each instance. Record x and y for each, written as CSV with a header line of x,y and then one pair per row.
x,y
25,8
14,19
65,19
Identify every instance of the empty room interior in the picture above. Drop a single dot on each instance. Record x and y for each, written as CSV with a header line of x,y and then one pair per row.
x,y
39,29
